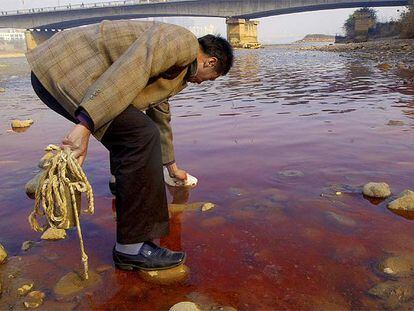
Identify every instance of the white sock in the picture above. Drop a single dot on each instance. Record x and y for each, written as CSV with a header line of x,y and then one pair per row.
x,y
129,249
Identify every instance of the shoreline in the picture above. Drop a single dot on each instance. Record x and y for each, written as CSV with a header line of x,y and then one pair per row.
x,y
11,54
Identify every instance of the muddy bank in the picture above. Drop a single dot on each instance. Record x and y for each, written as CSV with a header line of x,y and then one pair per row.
x,y
395,55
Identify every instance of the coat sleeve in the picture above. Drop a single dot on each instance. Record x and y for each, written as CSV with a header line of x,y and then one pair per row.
x,y
161,115
156,50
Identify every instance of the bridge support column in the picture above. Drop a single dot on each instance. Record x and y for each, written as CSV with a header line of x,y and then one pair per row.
x,y
34,38
363,23
242,33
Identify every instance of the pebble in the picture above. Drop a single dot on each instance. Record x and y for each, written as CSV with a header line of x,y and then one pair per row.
x,y
404,201
185,306
23,290
207,206
21,123
27,245
34,299
376,190
54,234
3,254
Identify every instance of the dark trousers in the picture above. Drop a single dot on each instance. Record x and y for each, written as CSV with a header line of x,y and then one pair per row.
x,y
133,141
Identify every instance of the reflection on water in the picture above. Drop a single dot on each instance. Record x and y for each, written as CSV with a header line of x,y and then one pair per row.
x,y
321,115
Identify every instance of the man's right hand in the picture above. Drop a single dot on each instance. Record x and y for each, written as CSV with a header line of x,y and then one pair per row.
x,y
77,140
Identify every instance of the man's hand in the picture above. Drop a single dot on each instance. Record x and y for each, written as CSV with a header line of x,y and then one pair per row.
x,y
175,172
77,140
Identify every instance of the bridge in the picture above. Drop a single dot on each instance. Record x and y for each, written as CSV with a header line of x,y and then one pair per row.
x,y
237,12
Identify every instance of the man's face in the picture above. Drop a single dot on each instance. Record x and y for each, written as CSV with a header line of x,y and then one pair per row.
x,y
205,71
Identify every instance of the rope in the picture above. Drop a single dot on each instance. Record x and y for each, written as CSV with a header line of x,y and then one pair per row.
x,y
61,173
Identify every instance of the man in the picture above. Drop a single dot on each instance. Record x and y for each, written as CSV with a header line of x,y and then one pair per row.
x,y
102,77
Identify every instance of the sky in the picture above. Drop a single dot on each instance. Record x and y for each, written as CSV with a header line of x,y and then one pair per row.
x,y
274,29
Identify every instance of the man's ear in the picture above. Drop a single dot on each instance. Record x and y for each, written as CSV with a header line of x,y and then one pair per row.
x,y
212,62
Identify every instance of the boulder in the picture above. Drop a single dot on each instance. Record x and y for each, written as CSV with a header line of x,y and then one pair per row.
x,y
376,190
54,234
404,201
3,254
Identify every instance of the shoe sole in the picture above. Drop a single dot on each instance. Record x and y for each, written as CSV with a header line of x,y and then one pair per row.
x,y
130,267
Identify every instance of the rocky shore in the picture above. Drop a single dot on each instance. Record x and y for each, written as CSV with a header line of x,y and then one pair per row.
x,y
390,55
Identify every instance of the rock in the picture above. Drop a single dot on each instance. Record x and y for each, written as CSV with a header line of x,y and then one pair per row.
x,y
54,234
384,66
73,283
178,208
404,201
395,123
2,90
376,190
32,184
185,306
21,123
343,220
3,254
207,206
27,245
399,266
291,173
392,292
165,277
24,289
34,299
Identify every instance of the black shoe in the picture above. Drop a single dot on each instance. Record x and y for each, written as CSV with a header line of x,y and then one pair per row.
x,y
150,257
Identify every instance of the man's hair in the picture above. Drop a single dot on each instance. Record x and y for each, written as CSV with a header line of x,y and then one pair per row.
x,y
217,46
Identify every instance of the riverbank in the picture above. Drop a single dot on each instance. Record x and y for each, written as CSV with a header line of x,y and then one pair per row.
x,y
11,54
390,54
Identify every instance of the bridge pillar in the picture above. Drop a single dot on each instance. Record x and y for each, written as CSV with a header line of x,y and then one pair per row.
x,y
242,33
363,23
34,38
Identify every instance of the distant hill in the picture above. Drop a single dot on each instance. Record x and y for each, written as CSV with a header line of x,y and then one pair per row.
x,y
317,38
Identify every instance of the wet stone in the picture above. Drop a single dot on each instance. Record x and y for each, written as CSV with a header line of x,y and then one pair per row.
x,y
404,201
3,254
54,234
398,266
165,277
24,289
393,293
376,190
2,90
291,173
185,306
178,208
343,220
395,123
34,299
27,245
207,206
72,283
21,123
32,184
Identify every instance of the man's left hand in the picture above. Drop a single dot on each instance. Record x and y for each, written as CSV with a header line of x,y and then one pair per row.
x,y
176,172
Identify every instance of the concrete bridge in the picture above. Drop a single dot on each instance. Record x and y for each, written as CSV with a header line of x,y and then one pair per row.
x,y
237,12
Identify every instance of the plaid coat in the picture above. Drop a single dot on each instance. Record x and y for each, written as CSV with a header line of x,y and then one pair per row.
x,y
105,67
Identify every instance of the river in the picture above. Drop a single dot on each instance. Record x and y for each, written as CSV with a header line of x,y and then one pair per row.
x,y
281,145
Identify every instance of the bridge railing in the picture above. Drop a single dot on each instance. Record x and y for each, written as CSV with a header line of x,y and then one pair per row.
x,y
81,6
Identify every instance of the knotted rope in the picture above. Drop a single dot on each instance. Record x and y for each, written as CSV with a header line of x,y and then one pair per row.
x,y
62,172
